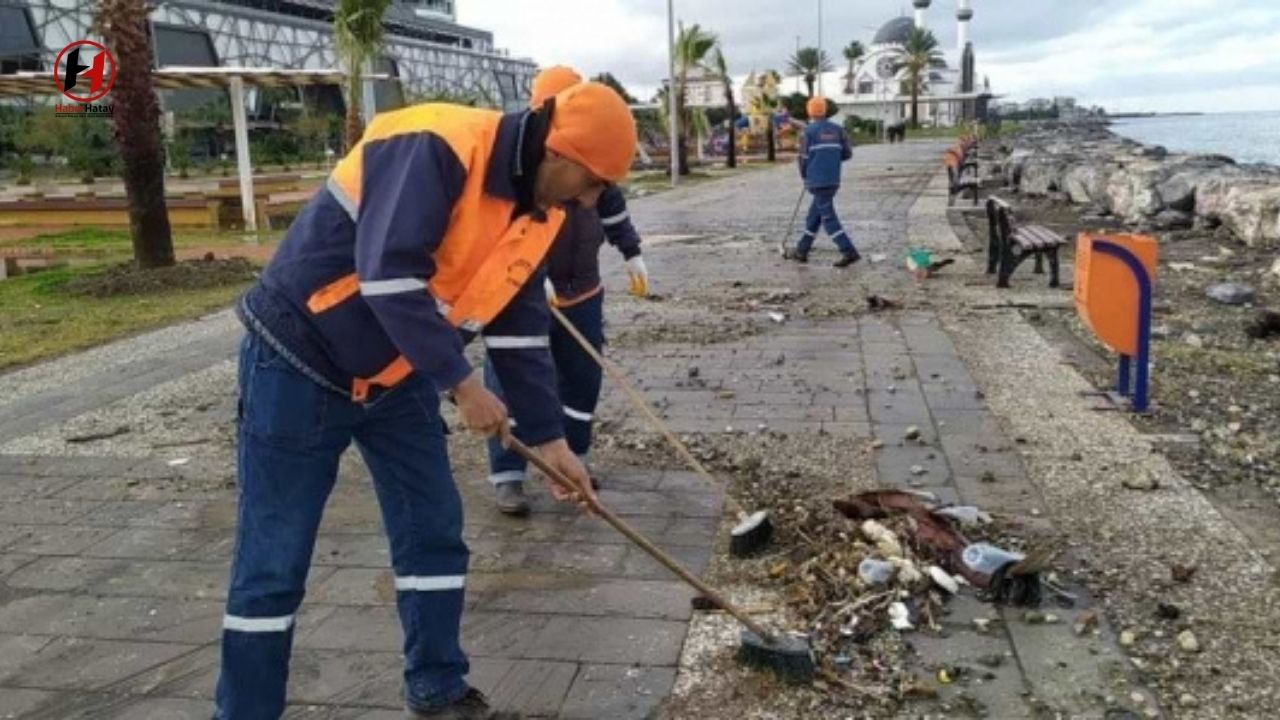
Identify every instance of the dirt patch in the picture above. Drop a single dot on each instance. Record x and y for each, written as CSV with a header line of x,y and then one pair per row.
x,y
128,279
726,330
258,253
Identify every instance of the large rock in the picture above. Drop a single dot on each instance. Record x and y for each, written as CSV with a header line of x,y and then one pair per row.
x,y
1213,191
1178,192
1086,183
1042,175
1173,220
1134,192
1014,164
1253,215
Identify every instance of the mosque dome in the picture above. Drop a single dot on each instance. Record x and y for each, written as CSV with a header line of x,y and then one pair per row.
x,y
895,32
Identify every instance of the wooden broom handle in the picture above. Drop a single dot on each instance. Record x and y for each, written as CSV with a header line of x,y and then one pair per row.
x,y
640,540
638,400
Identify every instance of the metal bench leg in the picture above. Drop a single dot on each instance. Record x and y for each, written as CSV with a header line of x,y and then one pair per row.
x,y
993,250
1053,268
1039,263
1008,263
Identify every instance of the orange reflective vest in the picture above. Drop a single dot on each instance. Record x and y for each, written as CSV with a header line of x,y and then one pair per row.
x,y
482,259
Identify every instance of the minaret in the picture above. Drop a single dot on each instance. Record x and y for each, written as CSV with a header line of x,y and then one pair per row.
x,y
921,6
963,14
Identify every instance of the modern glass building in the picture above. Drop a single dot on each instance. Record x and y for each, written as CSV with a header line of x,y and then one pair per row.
x,y
426,51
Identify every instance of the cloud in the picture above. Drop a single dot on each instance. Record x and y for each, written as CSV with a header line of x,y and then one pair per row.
x,y
1125,54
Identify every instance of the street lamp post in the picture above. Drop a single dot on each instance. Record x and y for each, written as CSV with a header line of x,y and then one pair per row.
x,y
797,57
820,73
671,93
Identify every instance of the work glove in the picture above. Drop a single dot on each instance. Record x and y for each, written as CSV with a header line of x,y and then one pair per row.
x,y
639,276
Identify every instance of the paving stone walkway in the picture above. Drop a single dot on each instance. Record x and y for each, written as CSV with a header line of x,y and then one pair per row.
x,y
112,568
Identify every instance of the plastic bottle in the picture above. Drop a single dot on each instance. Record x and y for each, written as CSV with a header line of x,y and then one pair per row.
x,y
987,559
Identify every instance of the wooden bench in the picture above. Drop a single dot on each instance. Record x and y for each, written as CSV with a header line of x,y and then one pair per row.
x,y
1008,245
962,174
279,209
103,212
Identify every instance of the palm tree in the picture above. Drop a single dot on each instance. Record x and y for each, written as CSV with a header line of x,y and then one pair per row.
x,y
125,26
722,69
918,56
692,45
357,34
809,62
607,78
853,52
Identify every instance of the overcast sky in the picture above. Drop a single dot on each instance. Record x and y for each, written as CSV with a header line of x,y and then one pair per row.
x,y
1160,55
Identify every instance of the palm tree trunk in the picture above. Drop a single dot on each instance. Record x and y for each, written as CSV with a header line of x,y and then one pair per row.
x,y
808,83
915,104
733,132
354,120
771,145
683,135
137,130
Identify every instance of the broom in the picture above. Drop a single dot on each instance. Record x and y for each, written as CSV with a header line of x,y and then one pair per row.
x,y
754,530
790,656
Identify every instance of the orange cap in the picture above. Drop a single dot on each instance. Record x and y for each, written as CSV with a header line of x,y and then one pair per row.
x,y
816,108
551,82
593,127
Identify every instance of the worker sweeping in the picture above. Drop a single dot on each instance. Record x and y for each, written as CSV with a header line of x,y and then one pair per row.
x,y
823,148
432,230
573,268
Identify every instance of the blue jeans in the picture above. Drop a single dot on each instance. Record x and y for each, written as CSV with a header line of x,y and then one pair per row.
x,y
291,434
822,213
578,377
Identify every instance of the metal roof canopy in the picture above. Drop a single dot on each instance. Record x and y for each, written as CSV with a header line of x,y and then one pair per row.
x,y
26,84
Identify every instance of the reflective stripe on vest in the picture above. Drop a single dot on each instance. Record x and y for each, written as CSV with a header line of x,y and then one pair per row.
x,y
484,258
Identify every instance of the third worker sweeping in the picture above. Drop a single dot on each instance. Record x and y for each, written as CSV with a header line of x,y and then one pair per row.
x,y
823,148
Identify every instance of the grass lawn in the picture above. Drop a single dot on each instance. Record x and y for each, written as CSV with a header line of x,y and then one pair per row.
x,y
41,318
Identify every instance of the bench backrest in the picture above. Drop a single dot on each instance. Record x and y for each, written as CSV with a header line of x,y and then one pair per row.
x,y
999,219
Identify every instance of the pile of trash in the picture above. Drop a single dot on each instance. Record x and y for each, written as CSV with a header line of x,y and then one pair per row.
x,y
888,565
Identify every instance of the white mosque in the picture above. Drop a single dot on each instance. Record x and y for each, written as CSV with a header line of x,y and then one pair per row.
x,y
950,95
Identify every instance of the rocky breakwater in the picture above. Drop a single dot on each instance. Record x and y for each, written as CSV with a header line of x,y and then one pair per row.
x,y
1146,186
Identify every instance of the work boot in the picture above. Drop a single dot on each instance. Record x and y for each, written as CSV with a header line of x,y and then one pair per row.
x,y
800,257
472,706
847,260
511,500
